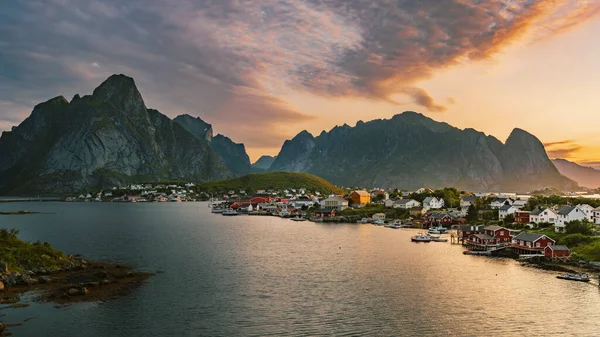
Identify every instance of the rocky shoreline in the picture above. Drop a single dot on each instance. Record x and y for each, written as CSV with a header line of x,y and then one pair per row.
x,y
78,280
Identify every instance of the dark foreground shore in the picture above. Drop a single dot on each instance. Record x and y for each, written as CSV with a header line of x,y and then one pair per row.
x,y
83,281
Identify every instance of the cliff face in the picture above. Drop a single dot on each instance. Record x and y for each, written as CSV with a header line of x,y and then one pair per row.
x,y
585,176
99,141
232,154
412,151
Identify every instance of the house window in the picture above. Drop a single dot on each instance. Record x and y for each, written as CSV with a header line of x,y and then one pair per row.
x,y
501,233
537,244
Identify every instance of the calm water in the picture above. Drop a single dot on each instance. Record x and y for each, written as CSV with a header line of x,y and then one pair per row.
x,y
259,276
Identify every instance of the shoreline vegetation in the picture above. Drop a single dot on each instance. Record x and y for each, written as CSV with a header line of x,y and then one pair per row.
x,y
57,278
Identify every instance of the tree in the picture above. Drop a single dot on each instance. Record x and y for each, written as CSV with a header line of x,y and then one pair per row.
x,y
577,226
509,218
379,197
472,213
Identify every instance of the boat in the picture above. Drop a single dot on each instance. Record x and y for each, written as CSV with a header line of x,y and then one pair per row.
x,y
395,225
440,240
574,277
217,210
472,252
379,222
297,219
420,238
364,220
437,230
230,212
433,237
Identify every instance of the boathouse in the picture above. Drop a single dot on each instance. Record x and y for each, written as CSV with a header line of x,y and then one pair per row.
x,y
530,243
556,251
500,234
325,213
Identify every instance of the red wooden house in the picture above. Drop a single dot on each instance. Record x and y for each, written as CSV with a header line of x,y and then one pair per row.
x,y
325,213
466,231
531,243
556,251
492,236
438,218
522,217
500,234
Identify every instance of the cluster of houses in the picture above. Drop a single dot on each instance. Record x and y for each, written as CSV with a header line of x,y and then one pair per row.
x,y
485,238
558,216
142,193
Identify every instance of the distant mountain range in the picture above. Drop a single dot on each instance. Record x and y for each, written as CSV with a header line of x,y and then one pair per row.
x,y
412,151
110,138
585,176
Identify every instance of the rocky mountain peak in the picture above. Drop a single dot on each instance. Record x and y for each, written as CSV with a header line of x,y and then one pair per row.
x,y
122,93
196,126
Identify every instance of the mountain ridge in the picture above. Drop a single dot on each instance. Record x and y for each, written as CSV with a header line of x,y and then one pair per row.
x,y
411,150
101,140
586,176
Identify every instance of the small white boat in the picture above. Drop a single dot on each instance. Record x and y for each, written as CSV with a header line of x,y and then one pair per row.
x,y
364,220
437,230
574,277
394,226
420,238
230,212
433,237
217,210
379,222
440,240
297,219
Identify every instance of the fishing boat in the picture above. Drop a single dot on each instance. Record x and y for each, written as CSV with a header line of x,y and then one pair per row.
x,y
471,252
437,230
217,210
420,238
433,237
379,222
230,212
574,277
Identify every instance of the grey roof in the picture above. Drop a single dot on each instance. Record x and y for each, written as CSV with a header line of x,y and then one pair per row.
x,y
499,199
493,228
467,228
566,210
484,236
505,207
559,247
530,237
537,211
428,199
469,198
438,215
403,201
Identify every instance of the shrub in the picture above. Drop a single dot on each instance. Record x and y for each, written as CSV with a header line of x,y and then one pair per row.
x,y
577,226
575,239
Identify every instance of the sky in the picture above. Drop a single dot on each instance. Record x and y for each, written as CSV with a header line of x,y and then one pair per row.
x,y
260,71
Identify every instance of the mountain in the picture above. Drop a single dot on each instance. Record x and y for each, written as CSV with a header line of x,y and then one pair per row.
x,y
264,162
233,154
583,175
412,151
272,180
99,141
196,126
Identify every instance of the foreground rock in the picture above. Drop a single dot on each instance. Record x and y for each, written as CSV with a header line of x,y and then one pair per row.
x,y
82,282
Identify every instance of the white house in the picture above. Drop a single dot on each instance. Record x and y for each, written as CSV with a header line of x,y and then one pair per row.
x,y
506,210
389,203
597,216
543,214
587,210
406,203
334,202
500,201
519,203
467,201
567,214
433,203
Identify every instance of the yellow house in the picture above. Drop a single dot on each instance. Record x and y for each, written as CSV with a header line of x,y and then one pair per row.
x,y
360,197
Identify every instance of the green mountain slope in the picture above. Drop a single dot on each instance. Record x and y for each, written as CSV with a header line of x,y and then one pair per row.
x,y
271,181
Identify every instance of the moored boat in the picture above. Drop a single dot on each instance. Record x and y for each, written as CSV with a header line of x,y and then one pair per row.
x,y
297,219
420,238
364,220
230,212
574,277
217,210
440,240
